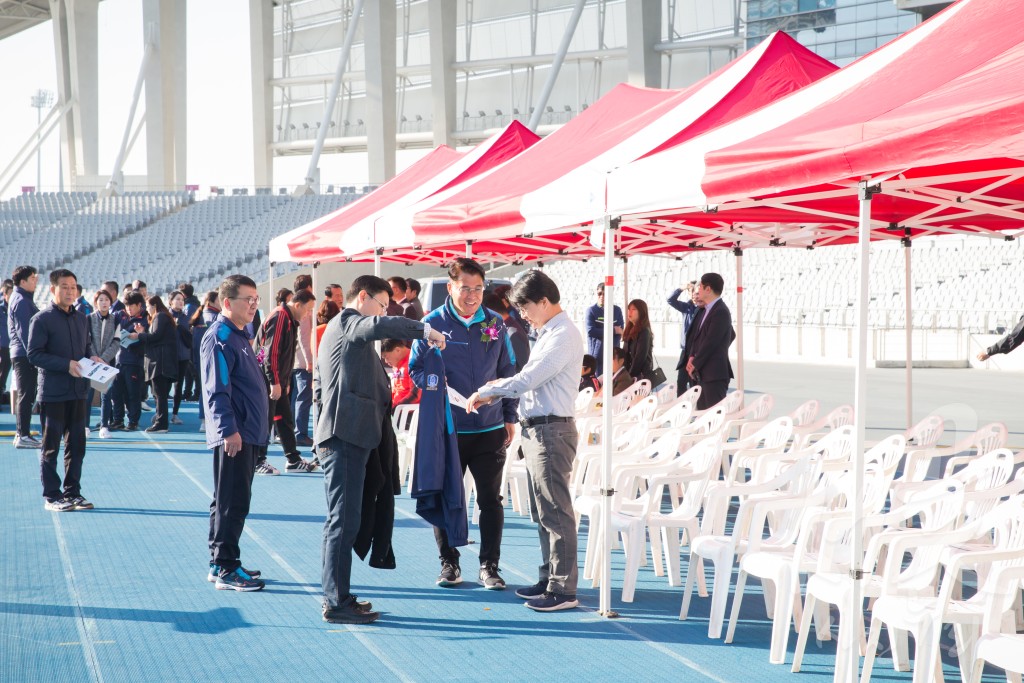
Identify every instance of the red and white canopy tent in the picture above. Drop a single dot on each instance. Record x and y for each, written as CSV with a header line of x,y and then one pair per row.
x,y
921,137
509,214
353,225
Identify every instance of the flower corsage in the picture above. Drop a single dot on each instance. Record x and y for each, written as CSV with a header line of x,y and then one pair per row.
x,y
491,332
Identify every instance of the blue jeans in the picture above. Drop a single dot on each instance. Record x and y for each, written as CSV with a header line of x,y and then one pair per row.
x,y
344,466
302,401
107,408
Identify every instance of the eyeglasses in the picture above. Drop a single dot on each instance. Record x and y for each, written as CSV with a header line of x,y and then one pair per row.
x,y
383,307
466,291
251,300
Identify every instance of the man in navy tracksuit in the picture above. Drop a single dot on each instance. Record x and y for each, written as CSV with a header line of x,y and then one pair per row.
x,y
58,338
20,310
478,352
234,394
129,382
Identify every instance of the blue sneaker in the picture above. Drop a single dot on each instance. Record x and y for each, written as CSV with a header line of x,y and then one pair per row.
x,y
552,602
215,573
238,580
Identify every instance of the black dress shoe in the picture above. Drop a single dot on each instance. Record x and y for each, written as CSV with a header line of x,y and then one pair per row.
x,y
349,613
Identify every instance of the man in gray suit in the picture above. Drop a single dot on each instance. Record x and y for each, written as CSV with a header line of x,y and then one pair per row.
x,y
350,383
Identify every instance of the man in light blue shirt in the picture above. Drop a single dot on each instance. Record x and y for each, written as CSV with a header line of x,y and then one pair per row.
x,y
546,388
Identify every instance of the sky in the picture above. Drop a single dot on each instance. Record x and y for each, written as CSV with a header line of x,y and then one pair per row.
x,y
219,100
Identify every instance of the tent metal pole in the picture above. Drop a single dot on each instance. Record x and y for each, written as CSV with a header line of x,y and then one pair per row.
x,y
312,343
556,64
739,319
860,417
625,284
270,286
607,534
376,261
469,248
910,332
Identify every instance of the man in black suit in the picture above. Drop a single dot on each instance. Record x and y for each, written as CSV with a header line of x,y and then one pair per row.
x,y
707,343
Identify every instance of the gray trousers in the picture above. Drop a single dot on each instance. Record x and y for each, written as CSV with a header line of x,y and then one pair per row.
x,y
344,472
549,450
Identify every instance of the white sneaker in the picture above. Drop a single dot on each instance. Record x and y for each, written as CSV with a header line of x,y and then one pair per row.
x,y
27,443
202,425
88,432
175,420
104,433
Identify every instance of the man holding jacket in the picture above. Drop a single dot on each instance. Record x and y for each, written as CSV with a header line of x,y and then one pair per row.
x,y
350,383
58,337
20,310
479,352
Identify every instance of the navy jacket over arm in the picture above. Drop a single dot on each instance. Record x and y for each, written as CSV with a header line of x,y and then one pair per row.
x,y
55,338
437,475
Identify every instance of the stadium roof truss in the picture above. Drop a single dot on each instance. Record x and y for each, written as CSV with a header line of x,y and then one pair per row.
x,y
18,15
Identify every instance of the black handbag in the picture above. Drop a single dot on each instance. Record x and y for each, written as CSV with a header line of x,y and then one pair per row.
x,y
656,377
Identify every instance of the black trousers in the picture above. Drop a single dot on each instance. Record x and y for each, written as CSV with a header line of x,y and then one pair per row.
x,y
711,393
181,384
5,370
484,455
284,424
232,491
28,382
127,394
62,420
161,392
191,384
682,377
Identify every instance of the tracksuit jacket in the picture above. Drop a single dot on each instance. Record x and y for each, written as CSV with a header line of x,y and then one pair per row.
x,y
470,364
276,339
54,339
437,474
20,310
234,391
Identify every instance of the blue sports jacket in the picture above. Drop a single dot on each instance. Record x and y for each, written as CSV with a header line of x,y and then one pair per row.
x,y
234,392
20,310
437,475
471,364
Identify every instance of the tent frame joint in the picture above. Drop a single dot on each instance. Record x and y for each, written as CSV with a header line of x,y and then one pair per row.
x,y
866,191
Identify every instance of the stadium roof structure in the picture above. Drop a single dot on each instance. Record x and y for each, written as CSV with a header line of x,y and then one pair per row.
x,y
354,225
18,15
559,183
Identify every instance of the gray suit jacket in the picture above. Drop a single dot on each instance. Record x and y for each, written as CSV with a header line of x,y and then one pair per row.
x,y
349,380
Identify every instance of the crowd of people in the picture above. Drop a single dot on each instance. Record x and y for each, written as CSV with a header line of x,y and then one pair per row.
x,y
512,351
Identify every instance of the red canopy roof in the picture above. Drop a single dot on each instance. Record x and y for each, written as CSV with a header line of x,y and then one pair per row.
x,y
439,170
556,183
939,125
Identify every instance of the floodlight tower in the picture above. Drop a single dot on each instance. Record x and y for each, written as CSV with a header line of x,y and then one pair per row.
x,y
40,101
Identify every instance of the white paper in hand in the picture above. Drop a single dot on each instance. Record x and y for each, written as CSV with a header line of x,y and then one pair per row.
x,y
99,374
456,399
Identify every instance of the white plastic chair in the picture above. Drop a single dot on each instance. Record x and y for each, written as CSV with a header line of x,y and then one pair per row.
x,y
690,396
999,645
794,480
781,565
923,616
805,435
938,507
632,518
